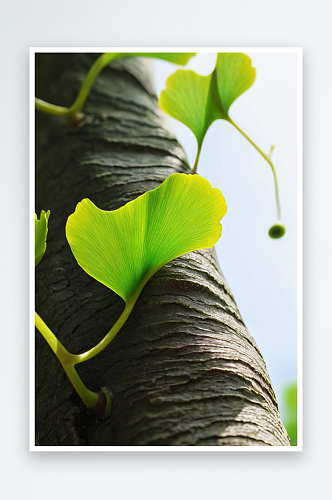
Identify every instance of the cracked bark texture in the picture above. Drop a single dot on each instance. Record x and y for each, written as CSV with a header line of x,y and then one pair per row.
x,y
184,369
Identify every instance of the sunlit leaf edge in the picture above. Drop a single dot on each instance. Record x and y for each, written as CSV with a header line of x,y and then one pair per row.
x,y
41,229
127,280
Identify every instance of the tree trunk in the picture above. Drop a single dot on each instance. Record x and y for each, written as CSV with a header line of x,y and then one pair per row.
x,y
184,369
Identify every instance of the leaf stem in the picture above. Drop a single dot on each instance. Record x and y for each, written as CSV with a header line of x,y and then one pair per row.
x,y
74,112
197,159
80,358
266,158
51,109
67,361
61,352
90,79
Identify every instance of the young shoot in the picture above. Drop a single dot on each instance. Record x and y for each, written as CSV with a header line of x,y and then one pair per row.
x,y
41,228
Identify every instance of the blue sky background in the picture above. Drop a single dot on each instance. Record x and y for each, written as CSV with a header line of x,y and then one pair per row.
x,y
261,272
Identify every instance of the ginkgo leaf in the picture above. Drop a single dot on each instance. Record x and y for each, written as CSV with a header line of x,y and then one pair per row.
x,y
189,99
123,248
180,58
197,101
40,235
233,76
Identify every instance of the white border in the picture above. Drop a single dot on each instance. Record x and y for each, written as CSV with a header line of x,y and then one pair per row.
x,y
299,250
294,50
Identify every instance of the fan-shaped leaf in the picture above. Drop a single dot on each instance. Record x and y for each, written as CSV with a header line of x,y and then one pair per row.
x,y
123,248
189,99
40,235
198,100
180,58
233,76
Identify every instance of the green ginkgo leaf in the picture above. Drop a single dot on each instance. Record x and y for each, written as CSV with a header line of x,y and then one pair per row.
x,y
123,248
180,58
197,101
41,235
233,76
188,98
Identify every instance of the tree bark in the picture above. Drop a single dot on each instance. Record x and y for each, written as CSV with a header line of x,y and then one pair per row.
x,y
184,369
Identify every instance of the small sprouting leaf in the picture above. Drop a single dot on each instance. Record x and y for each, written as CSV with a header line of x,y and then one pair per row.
x,y
233,76
40,235
123,248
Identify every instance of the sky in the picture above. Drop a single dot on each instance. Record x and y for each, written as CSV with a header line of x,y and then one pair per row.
x,y
261,272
